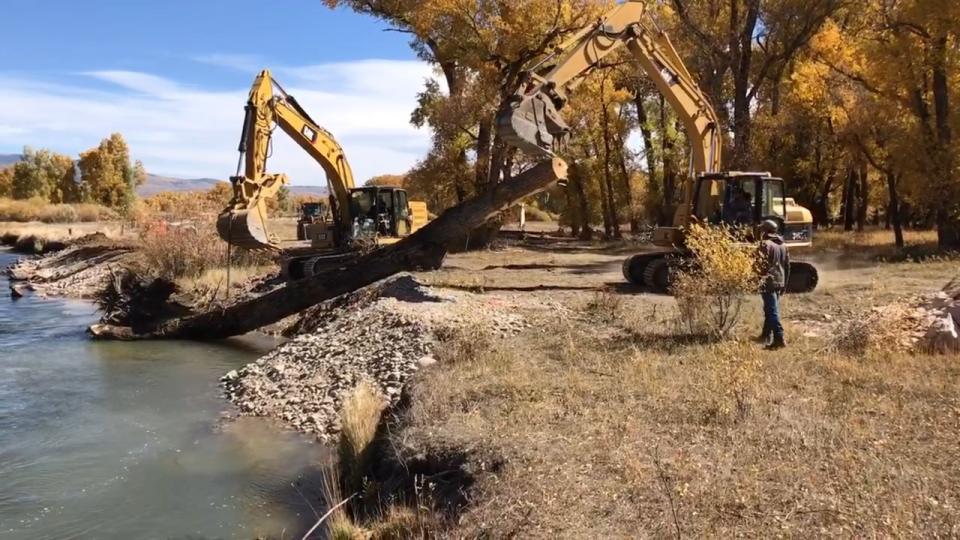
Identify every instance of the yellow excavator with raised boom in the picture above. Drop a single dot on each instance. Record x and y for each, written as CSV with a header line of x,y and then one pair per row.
x,y
531,122
355,217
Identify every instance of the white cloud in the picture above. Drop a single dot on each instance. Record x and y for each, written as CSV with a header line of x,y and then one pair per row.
x,y
186,131
248,63
136,81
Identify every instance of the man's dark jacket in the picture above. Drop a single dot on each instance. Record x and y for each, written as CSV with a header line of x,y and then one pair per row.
x,y
776,264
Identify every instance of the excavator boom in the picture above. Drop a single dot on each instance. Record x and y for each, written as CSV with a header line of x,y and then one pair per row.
x,y
243,222
531,120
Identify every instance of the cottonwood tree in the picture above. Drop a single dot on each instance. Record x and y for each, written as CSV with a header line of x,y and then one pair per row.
x,y
6,181
742,49
41,173
481,49
108,176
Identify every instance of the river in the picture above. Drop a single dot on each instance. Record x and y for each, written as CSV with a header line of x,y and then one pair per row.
x,y
124,440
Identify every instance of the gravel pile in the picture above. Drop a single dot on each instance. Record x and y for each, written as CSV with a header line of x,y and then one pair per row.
x,y
382,335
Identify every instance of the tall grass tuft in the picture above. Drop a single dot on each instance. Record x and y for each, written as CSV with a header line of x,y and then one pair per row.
x,y
710,288
359,418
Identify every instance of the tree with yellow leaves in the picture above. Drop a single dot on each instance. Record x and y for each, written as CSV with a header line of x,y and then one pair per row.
x,y
108,176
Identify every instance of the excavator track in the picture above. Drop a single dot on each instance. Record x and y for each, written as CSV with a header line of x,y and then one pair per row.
x,y
804,277
652,271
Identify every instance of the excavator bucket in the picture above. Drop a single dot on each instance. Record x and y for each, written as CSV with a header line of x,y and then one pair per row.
x,y
533,124
245,228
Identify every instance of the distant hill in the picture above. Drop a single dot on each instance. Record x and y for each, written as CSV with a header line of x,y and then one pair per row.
x,y
9,159
156,183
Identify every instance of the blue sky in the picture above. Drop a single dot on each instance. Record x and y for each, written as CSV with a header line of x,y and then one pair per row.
x,y
172,76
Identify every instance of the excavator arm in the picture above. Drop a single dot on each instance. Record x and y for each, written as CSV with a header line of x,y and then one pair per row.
x,y
531,120
243,222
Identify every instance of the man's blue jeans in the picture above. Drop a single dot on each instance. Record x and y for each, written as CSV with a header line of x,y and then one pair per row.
x,y
771,315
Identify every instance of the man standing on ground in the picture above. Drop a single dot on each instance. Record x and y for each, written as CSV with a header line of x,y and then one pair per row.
x,y
775,267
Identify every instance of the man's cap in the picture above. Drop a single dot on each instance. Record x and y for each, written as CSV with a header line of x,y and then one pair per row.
x,y
769,226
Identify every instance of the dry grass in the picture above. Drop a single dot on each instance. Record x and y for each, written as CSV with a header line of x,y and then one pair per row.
x,y
192,251
212,283
630,431
62,231
878,244
359,418
41,211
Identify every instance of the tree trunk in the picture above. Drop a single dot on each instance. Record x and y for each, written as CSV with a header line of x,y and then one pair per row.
x,y
424,249
849,199
893,212
948,222
741,50
583,206
625,180
482,171
608,173
863,197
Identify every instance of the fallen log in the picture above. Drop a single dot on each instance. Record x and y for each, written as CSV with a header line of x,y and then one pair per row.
x,y
425,249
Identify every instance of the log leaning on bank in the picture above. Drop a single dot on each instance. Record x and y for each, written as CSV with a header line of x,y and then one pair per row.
x,y
424,249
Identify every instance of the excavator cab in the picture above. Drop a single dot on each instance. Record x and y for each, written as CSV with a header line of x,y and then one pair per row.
x,y
741,199
380,212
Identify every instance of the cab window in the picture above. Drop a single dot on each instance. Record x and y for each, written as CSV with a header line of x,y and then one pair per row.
x,y
403,208
774,203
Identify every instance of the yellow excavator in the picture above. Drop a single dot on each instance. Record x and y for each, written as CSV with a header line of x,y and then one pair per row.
x,y
355,216
531,122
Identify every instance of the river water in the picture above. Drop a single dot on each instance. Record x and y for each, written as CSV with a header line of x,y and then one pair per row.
x,y
124,440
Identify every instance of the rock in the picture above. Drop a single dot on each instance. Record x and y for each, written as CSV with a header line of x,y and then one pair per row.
x,y
426,361
231,375
943,336
16,290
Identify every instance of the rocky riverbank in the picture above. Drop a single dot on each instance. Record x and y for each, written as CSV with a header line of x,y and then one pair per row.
x,y
78,270
382,334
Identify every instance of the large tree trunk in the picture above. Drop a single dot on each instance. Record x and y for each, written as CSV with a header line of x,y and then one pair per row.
x,y
424,249
863,196
849,199
583,205
893,212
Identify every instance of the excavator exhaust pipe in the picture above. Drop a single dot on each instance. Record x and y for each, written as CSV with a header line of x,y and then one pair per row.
x,y
244,228
533,124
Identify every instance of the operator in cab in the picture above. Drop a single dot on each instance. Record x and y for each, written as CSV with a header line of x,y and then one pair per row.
x,y
775,269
